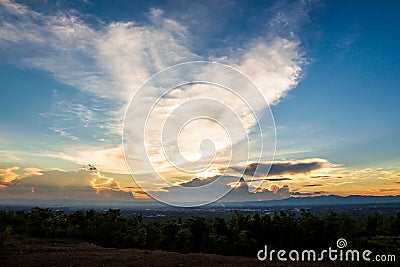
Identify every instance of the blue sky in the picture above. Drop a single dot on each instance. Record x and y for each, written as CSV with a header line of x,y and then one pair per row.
x,y
68,69
349,93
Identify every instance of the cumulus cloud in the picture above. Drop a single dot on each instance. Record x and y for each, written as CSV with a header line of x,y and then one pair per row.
x,y
296,173
242,193
239,190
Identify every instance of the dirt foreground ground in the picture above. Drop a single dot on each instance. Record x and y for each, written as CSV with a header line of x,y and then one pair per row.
x,y
74,253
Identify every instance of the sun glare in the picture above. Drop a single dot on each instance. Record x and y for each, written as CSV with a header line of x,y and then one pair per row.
x,y
208,173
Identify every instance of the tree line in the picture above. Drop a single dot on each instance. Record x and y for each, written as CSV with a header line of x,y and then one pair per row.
x,y
240,235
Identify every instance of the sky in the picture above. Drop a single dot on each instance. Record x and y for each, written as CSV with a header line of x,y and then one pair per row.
x,y
327,69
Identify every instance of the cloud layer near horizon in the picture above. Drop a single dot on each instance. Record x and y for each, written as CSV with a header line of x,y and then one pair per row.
x,y
91,185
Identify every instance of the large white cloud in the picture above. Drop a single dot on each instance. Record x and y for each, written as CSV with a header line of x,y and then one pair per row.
x,y
112,60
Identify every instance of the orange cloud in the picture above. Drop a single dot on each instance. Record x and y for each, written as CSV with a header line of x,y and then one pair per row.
x,y
8,175
140,194
100,182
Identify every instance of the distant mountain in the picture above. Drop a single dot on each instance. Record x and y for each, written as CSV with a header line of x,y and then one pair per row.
x,y
330,200
320,200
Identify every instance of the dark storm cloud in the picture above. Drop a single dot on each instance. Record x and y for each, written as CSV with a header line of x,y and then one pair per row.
x,y
280,168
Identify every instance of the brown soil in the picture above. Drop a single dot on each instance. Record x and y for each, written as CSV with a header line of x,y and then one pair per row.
x,y
37,252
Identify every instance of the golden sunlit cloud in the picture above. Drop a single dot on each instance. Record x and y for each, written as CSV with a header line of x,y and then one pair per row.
x,y
100,182
296,178
32,172
208,173
8,175
106,159
140,194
